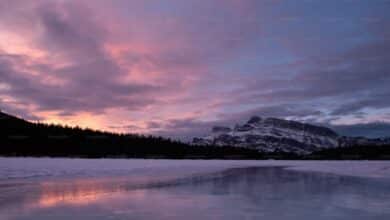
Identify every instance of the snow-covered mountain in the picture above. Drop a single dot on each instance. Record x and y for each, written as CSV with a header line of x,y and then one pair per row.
x,y
273,134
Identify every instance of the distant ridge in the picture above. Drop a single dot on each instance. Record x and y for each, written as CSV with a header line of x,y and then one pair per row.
x,y
19,137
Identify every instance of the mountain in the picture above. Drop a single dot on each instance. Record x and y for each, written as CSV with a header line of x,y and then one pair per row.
x,y
278,135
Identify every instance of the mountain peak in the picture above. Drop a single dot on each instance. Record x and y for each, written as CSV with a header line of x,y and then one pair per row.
x,y
273,134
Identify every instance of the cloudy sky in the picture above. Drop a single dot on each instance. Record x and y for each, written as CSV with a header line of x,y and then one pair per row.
x,y
177,67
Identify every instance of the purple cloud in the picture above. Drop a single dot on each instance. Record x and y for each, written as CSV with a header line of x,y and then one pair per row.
x,y
176,68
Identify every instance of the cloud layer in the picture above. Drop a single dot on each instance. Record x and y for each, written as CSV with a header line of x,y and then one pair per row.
x,y
175,68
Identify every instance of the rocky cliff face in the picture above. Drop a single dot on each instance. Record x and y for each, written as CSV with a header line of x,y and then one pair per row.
x,y
272,134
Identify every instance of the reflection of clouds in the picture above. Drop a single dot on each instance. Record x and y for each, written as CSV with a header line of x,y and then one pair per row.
x,y
249,193
76,197
79,192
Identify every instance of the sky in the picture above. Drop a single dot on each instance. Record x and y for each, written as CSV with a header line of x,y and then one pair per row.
x,y
176,68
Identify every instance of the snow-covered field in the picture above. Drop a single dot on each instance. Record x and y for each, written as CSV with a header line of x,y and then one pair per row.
x,y
21,168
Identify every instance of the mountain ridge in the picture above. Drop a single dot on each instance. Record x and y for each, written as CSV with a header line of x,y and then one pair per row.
x,y
274,134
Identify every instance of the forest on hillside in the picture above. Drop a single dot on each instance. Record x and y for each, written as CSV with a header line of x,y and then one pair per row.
x,y
22,138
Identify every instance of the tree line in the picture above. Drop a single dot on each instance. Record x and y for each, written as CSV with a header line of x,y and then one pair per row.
x,y
22,138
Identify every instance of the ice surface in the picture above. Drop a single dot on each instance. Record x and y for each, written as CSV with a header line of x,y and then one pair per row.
x,y
20,168
32,188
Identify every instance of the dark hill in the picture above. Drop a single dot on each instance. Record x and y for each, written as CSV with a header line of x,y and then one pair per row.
x,y
19,137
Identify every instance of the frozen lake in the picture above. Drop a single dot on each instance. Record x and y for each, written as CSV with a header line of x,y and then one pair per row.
x,y
193,189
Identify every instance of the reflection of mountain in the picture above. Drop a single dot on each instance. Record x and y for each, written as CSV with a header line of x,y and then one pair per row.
x,y
268,190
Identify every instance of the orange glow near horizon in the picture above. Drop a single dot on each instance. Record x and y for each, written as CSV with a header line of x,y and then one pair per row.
x,y
81,119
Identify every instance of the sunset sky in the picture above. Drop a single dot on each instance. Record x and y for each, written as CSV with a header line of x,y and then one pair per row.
x,y
177,67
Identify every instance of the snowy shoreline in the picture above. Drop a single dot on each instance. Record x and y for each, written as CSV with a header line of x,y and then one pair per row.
x,y
25,168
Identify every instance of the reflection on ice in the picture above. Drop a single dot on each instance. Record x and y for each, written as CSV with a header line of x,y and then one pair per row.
x,y
79,193
238,193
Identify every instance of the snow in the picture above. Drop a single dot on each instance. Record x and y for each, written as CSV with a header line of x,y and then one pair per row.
x,y
260,130
32,168
370,169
